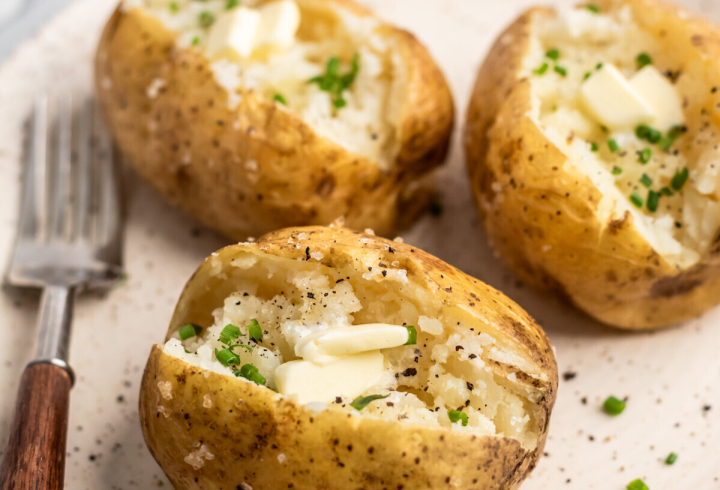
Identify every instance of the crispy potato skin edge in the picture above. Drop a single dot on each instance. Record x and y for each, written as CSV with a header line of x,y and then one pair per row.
x,y
544,223
258,168
248,427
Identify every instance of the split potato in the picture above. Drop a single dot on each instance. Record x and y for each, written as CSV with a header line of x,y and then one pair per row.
x,y
326,358
253,116
592,144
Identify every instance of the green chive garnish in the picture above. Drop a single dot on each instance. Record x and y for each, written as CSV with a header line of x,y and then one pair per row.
x,y
226,357
560,70
587,75
612,405
643,59
672,457
678,181
646,180
250,372
331,81
339,103
174,7
279,99
206,19
231,4
242,346
541,69
362,401
652,201
637,485
594,146
598,66
455,415
196,41
612,144
616,170
645,155
593,8
412,335
553,54
636,199
669,139
190,330
665,191
254,331
229,333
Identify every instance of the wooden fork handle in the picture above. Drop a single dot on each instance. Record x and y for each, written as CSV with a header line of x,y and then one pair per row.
x,y
34,458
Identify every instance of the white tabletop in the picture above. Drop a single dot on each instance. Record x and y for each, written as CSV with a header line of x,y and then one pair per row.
x,y
670,376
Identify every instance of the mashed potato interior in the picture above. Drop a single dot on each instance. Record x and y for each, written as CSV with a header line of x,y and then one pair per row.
x,y
367,125
685,223
455,365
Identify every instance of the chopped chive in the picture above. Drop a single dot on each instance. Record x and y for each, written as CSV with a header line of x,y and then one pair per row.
x,y
540,70
279,99
363,401
652,201
645,155
243,346
455,415
646,180
598,66
669,139
637,485
613,145
206,19
339,103
231,4
616,170
250,372
331,81
642,131
594,146
553,54
196,40
226,357
636,200
587,75
254,331
190,330
560,70
229,333
678,181
672,457
174,7
665,191
593,8
612,405
643,59
412,335
187,351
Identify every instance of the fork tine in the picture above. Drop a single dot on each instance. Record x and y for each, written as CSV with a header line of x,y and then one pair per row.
x,y
81,203
60,171
108,202
33,182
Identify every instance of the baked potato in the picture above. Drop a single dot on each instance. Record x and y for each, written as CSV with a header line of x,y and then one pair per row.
x,y
592,146
255,115
327,358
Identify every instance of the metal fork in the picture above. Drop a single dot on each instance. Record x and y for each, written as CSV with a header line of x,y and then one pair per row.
x,y
69,238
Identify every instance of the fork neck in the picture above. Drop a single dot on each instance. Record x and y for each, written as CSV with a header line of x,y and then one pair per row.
x,y
54,324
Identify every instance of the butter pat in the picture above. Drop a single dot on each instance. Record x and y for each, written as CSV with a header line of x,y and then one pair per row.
x,y
279,22
613,102
348,377
234,31
662,97
342,341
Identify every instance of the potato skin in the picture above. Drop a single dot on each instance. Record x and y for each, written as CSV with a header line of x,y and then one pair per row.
x,y
248,427
195,151
541,217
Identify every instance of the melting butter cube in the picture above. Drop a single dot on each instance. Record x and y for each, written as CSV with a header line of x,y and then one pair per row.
x,y
279,22
341,341
613,102
661,95
234,31
348,376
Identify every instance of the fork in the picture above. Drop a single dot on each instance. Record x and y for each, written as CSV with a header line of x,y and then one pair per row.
x,y
69,238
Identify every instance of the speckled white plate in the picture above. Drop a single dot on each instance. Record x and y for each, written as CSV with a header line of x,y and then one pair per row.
x,y
672,377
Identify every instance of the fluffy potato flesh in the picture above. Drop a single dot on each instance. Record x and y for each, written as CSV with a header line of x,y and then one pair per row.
x,y
678,216
296,283
367,125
